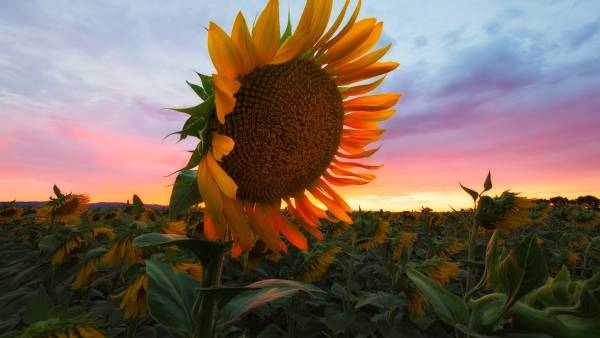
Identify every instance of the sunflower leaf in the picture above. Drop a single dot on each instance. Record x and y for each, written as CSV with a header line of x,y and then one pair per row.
x,y
471,192
198,90
171,296
38,307
487,185
204,109
185,192
207,84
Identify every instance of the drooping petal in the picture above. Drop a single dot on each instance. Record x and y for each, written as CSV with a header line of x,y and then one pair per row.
x,y
337,198
267,232
242,39
211,231
225,183
234,213
224,95
223,52
222,145
209,190
361,89
291,233
372,102
303,221
301,205
265,33
343,172
333,207
355,36
373,70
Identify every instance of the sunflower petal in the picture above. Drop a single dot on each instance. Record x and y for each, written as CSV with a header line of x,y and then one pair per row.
x,y
348,165
363,154
364,47
373,70
223,180
372,102
209,190
342,181
342,31
368,125
319,20
234,213
325,187
333,207
342,172
355,36
369,116
265,33
312,230
222,145
242,39
211,231
333,27
361,89
361,63
293,235
261,226
224,95
223,52
291,48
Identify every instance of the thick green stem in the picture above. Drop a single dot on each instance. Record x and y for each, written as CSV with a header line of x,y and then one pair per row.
x,y
205,307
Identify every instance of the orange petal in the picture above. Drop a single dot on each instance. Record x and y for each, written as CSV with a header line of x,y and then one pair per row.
x,y
209,190
265,33
223,52
359,32
334,26
293,235
225,183
234,213
359,134
224,95
362,125
362,89
291,48
363,154
302,206
263,227
242,39
372,102
319,20
342,181
222,145
373,70
361,63
331,205
351,148
212,232
369,115
343,31
325,187
343,172
364,47
303,222
349,165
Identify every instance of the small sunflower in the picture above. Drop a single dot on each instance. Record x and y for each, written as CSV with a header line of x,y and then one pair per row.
x,y
317,262
380,236
68,208
133,298
177,228
103,232
402,240
73,247
416,304
122,251
290,116
508,212
10,213
85,274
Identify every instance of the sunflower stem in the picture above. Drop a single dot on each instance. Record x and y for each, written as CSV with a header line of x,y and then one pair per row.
x,y
473,227
205,307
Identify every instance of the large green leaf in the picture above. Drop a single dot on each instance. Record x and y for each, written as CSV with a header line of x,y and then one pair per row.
x,y
206,251
446,305
235,302
38,307
523,270
184,194
474,195
171,296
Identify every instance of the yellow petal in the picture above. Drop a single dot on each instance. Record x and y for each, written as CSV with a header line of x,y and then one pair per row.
x,y
373,70
334,26
265,33
234,213
222,179
364,47
319,20
355,36
222,145
291,48
224,95
242,39
362,89
332,206
372,102
263,227
344,30
363,62
210,192
223,52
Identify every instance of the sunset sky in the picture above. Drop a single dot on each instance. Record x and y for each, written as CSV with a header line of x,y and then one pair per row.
x,y
507,86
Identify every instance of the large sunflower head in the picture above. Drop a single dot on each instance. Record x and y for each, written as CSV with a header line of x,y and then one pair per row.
x,y
284,116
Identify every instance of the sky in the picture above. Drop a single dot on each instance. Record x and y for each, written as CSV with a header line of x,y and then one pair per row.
x,y
507,86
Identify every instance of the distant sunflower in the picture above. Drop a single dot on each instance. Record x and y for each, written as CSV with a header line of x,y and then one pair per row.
x,y
122,252
85,274
76,331
133,298
508,212
10,213
289,115
69,207
403,240
73,247
177,228
193,269
381,235
317,262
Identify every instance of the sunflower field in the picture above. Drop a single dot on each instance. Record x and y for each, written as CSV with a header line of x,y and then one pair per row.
x,y
512,267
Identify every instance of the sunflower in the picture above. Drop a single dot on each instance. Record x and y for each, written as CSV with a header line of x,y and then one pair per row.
x,y
10,213
508,212
381,234
133,298
416,304
317,263
443,271
289,118
122,251
68,250
403,240
69,207
103,232
193,269
85,274
77,331
177,228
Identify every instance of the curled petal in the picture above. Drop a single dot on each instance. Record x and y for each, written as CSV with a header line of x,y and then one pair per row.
x,y
225,183
234,213
209,190
288,230
340,201
224,95
264,227
357,52
222,145
303,221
